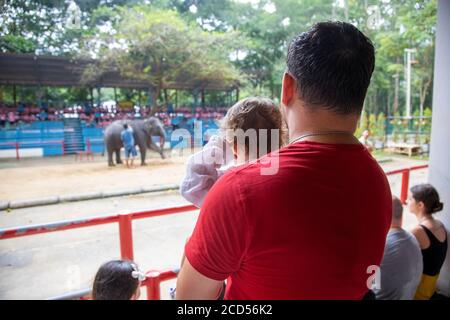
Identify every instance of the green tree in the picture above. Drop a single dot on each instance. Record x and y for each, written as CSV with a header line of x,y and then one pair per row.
x,y
159,47
381,126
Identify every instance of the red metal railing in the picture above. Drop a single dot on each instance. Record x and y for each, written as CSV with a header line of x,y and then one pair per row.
x,y
17,145
405,179
152,283
154,278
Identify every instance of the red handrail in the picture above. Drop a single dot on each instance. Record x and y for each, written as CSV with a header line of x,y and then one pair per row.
x,y
405,179
17,145
87,222
154,278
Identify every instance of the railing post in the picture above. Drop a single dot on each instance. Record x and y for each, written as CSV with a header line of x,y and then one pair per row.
x,y
63,147
405,185
126,236
153,290
17,151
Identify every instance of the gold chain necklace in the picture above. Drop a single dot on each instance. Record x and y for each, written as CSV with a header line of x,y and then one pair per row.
x,y
320,134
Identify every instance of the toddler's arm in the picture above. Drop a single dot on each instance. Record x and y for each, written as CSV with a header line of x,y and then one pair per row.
x,y
202,171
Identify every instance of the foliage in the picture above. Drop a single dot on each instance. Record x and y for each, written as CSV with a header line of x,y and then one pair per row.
x,y
251,35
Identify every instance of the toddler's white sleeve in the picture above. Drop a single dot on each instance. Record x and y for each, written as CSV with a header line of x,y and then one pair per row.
x,y
202,171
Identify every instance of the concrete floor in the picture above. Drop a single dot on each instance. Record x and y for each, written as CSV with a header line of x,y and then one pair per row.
x,y
46,265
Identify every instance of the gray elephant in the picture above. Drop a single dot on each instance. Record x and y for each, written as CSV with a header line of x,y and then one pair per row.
x,y
143,130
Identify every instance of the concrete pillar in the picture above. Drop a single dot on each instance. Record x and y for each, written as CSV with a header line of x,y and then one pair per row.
x,y
439,173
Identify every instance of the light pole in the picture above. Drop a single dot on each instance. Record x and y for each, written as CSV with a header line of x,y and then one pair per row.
x,y
396,77
409,62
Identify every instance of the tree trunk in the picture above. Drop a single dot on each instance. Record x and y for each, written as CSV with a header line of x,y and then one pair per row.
x,y
346,10
91,90
165,96
375,105
388,103
176,98
423,94
396,93
155,97
203,98
14,95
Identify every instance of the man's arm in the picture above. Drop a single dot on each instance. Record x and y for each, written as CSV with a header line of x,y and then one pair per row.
x,y
218,243
192,285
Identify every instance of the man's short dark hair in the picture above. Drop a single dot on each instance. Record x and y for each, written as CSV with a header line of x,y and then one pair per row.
x,y
397,208
332,64
125,126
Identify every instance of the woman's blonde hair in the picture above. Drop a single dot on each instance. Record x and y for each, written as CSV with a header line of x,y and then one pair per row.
x,y
255,113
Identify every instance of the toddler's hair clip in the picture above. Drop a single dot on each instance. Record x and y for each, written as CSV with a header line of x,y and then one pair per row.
x,y
136,273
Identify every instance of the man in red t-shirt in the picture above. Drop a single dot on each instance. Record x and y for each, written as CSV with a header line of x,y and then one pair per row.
x,y
317,227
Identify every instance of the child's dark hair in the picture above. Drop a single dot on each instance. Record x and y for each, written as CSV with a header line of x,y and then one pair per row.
x,y
427,194
114,281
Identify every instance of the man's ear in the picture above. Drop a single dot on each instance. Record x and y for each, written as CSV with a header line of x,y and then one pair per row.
x,y
288,89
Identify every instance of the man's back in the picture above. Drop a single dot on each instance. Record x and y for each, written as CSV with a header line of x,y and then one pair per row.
x,y
310,231
401,268
127,138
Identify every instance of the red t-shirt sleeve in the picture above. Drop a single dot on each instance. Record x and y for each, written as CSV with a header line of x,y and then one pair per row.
x,y
218,243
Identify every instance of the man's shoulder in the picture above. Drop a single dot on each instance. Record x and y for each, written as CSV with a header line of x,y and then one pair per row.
x,y
402,238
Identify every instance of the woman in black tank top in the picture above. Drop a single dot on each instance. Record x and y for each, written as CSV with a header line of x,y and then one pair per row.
x,y
434,255
423,203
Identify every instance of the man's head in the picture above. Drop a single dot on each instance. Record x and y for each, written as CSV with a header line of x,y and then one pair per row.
x,y
125,126
397,213
328,68
366,134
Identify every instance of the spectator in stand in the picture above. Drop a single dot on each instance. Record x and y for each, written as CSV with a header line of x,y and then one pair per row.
x,y
87,109
98,116
21,108
170,109
43,116
11,118
2,119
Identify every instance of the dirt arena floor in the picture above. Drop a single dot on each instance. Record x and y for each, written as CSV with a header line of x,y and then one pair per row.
x,y
34,178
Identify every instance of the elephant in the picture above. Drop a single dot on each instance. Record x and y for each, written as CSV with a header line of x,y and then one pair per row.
x,y
143,130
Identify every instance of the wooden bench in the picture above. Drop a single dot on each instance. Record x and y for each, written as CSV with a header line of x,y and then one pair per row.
x,y
405,148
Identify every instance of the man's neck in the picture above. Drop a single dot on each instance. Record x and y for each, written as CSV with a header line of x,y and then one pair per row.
x,y
337,128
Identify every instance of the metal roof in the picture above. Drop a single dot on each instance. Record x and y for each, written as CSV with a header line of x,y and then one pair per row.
x,y
28,69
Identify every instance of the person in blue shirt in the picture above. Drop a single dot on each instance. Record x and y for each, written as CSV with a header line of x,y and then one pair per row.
x,y
128,143
21,108
43,115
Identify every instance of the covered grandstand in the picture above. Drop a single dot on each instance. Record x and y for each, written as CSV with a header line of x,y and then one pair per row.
x,y
43,130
